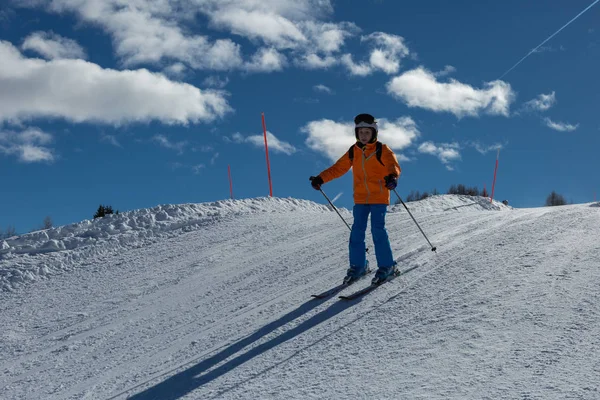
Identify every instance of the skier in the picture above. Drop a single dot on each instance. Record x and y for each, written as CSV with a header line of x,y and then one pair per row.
x,y
375,171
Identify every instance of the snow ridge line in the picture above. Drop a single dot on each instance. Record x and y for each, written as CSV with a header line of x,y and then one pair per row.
x,y
27,258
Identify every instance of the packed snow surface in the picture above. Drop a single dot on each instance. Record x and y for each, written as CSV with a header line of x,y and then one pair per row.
x,y
201,301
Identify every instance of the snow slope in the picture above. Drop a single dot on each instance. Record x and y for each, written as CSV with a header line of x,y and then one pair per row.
x,y
203,301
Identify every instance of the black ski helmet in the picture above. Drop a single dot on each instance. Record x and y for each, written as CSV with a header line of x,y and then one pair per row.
x,y
366,121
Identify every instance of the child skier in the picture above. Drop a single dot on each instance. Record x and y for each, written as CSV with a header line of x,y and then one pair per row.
x,y
375,171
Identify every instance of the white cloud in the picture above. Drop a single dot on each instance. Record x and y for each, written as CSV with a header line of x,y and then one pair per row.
x,y
485,149
29,145
53,46
291,25
329,137
386,55
448,69
327,37
359,69
148,32
216,82
420,88
283,24
276,145
560,126
273,142
334,138
398,134
166,143
446,152
272,28
214,158
266,60
322,88
176,70
542,103
81,91
157,31
389,50
314,61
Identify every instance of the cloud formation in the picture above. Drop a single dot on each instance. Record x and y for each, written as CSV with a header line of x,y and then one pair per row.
x,y
420,88
560,126
151,32
483,149
158,32
161,33
387,52
322,88
29,146
276,145
542,103
163,141
53,46
446,152
80,91
266,60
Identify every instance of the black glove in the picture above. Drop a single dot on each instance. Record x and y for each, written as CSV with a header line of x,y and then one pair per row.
x,y
316,182
391,181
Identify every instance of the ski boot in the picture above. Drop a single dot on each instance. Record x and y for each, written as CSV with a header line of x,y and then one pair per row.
x,y
355,273
384,273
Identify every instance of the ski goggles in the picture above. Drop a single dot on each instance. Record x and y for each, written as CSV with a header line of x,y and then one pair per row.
x,y
366,125
366,118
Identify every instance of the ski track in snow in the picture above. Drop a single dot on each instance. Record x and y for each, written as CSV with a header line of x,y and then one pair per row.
x,y
506,308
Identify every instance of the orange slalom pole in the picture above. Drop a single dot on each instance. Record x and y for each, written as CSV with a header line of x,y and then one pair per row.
x,y
267,151
495,170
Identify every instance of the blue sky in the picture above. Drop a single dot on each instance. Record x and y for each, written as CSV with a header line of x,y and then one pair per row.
x,y
140,103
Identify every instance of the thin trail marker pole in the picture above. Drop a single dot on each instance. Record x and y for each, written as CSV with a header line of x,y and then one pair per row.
x,y
495,171
267,152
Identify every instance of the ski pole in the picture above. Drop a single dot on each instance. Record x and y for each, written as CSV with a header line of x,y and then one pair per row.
x,y
338,213
336,210
413,218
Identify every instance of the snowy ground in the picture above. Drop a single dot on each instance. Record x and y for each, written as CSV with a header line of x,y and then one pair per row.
x,y
204,301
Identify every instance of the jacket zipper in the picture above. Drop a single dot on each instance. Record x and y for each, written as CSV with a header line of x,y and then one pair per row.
x,y
365,159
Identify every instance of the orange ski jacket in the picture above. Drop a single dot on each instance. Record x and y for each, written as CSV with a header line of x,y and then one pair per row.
x,y
368,172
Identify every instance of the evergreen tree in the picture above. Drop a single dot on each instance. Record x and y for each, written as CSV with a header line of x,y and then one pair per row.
x,y
47,223
103,211
555,199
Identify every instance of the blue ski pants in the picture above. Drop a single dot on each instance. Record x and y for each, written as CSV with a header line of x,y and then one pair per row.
x,y
383,250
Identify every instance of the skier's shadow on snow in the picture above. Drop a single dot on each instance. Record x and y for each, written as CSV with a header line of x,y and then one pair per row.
x,y
194,377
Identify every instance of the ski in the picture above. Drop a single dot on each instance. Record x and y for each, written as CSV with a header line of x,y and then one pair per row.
x,y
372,287
338,288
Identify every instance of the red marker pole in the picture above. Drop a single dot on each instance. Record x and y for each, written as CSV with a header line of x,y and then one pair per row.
x,y
230,182
267,151
495,170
